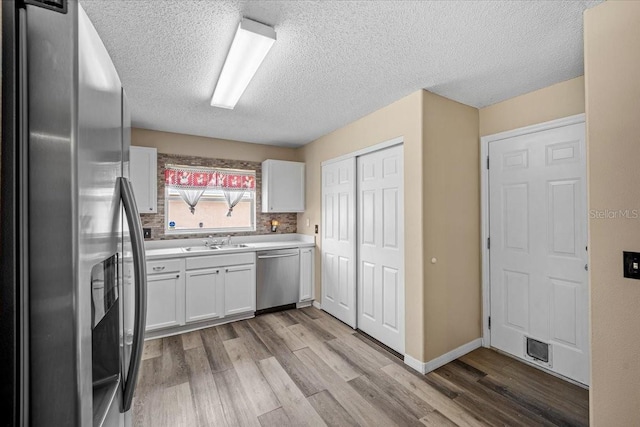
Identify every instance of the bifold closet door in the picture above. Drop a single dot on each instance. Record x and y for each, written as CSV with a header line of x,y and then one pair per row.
x,y
339,240
381,246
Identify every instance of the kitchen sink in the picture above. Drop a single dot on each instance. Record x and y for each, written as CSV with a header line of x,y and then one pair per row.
x,y
213,247
200,248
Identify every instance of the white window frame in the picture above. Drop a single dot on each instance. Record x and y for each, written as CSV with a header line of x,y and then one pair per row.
x,y
224,230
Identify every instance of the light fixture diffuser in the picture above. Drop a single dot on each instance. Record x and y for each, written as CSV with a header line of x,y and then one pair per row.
x,y
248,49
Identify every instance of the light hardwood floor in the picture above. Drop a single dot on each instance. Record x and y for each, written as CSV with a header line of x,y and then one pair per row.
x,y
303,367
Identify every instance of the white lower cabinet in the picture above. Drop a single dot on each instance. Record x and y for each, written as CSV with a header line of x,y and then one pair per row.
x,y
183,291
239,289
163,300
204,290
220,285
307,274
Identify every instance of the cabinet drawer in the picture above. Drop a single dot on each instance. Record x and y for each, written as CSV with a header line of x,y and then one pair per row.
x,y
164,266
220,260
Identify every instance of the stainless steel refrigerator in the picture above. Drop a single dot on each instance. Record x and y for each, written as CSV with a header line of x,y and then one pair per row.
x,y
72,296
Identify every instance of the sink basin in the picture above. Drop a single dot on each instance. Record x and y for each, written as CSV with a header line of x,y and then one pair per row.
x,y
200,248
213,247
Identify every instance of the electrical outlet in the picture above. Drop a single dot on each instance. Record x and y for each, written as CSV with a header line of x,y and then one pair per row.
x,y
146,233
316,228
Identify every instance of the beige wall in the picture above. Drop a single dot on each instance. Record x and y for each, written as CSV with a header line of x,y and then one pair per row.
x,y
560,100
451,200
442,209
612,76
190,145
402,118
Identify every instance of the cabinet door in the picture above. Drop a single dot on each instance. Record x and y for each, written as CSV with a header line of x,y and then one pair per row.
x,y
283,186
203,299
239,289
163,296
306,274
144,178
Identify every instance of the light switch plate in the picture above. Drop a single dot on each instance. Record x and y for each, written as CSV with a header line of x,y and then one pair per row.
x,y
631,264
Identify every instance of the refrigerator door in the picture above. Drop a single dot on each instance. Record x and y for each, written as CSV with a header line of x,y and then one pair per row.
x,y
140,292
127,270
99,167
134,274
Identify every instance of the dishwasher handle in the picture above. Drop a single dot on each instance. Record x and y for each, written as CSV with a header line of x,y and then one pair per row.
x,y
278,256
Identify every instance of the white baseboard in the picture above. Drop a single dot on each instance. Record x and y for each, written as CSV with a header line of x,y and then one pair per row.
x,y
424,367
414,364
317,305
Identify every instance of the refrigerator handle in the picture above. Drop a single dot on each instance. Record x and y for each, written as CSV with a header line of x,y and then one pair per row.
x,y
140,274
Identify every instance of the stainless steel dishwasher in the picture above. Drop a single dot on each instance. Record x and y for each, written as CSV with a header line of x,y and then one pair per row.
x,y
278,278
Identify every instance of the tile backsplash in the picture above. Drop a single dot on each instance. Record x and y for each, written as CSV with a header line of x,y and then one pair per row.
x,y
288,221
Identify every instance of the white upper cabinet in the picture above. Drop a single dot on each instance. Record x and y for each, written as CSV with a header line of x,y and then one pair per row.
x,y
144,178
282,186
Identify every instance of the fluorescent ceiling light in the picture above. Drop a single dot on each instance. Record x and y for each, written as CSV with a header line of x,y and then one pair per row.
x,y
248,49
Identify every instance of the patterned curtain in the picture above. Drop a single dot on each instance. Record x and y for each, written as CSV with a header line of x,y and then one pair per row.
x,y
192,182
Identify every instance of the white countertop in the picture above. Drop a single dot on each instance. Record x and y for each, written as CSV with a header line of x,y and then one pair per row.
x,y
158,249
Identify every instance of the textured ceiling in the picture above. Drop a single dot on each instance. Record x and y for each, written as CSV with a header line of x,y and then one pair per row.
x,y
333,61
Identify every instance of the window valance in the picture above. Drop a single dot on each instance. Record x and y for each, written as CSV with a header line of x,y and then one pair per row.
x,y
194,178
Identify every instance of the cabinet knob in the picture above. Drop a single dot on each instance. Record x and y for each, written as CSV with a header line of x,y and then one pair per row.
x,y
177,276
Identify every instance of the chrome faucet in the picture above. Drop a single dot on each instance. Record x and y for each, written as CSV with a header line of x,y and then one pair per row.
x,y
228,240
210,242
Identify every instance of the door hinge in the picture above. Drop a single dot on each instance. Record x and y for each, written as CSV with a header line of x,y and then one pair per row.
x,y
487,162
488,242
489,322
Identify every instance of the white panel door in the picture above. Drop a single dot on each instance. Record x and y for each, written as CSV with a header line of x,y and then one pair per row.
x,y
538,254
339,240
381,246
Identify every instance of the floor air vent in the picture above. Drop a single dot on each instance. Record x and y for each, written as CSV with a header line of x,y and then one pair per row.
x,y
538,350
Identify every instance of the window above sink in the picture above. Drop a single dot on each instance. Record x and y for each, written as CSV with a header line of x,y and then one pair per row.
x,y
209,200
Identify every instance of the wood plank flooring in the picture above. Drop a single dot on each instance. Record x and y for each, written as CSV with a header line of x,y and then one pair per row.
x,y
303,367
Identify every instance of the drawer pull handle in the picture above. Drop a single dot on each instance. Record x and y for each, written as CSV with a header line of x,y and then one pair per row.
x,y
158,268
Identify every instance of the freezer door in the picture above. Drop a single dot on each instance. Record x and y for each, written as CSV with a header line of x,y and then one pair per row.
x,y
59,305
